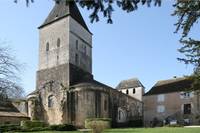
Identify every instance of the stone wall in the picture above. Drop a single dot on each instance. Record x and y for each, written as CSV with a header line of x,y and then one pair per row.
x,y
11,120
99,101
139,92
50,34
84,49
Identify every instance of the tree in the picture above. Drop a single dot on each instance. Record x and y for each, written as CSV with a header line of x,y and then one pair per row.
x,y
106,6
9,80
188,13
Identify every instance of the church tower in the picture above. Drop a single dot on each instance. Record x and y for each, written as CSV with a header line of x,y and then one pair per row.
x,y
65,47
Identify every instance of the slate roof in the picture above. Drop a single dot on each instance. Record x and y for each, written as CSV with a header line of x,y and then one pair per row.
x,y
91,83
63,9
8,110
33,93
7,106
170,85
130,83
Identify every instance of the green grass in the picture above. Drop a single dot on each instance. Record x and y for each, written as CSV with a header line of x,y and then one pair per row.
x,y
154,130
140,130
54,132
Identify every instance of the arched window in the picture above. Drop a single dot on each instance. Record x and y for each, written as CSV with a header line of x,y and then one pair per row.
x,y
133,90
47,46
85,49
58,42
50,101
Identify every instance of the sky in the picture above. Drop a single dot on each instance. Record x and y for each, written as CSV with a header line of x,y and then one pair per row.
x,y
139,44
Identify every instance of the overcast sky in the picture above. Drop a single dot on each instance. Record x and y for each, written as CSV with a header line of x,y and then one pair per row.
x,y
140,44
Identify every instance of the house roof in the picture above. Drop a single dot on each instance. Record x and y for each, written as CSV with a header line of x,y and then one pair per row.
x,y
90,83
7,106
7,109
63,9
170,85
130,83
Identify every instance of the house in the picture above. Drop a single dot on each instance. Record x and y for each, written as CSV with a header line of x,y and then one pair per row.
x,y
12,111
170,102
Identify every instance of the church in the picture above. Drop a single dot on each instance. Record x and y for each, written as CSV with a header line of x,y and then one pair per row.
x,y
66,91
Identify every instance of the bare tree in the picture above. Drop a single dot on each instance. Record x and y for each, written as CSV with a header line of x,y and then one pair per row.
x,y
9,79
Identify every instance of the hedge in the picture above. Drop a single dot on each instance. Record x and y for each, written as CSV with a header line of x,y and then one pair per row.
x,y
63,127
32,124
92,123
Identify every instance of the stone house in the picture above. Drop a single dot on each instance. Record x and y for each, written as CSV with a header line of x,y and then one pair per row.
x,y
132,87
66,91
169,101
12,111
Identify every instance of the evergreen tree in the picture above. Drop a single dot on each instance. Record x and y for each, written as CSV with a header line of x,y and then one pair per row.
x,y
188,13
106,6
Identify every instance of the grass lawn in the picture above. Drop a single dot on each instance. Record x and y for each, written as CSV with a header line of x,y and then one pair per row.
x,y
142,130
154,130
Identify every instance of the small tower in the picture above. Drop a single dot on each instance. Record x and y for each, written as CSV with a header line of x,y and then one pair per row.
x,y
65,47
132,87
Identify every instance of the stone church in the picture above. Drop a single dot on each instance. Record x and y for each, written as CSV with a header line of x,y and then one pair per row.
x,y
66,91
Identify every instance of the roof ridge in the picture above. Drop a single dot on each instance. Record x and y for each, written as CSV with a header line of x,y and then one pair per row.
x,y
167,81
63,9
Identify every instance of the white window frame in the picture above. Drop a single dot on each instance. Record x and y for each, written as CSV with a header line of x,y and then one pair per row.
x,y
160,108
161,98
186,95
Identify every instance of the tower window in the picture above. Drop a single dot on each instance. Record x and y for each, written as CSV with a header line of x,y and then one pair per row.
x,y
76,59
127,92
50,101
47,47
133,91
58,42
85,49
76,44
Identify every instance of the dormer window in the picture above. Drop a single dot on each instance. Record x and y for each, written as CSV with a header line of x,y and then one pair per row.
x,y
56,16
47,46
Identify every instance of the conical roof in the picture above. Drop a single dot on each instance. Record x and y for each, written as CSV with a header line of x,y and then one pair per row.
x,y
64,9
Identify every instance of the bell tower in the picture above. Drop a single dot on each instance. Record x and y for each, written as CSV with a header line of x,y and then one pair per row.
x,y
65,47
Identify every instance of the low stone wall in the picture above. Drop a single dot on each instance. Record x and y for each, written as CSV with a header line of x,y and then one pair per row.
x,y
12,120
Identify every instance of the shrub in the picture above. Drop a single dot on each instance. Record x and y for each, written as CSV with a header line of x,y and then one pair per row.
x,y
31,124
135,123
9,127
174,125
63,127
98,124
